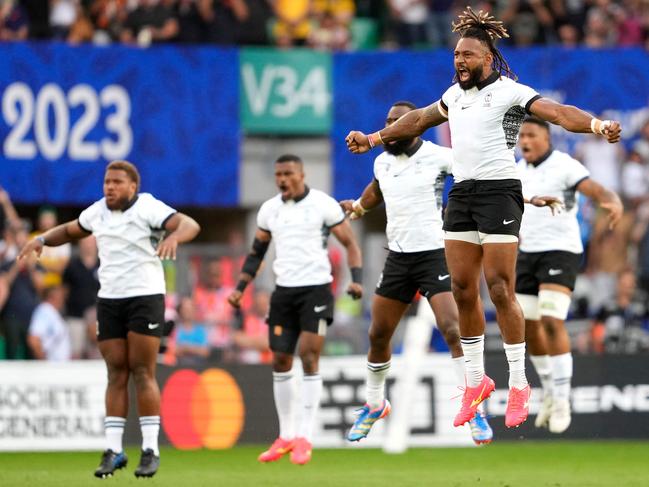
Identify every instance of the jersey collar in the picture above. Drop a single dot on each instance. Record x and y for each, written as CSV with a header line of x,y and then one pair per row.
x,y
542,159
495,75
412,150
130,203
300,197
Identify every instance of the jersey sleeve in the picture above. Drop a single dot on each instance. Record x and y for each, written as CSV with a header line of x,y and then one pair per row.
x,y
156,213
523,95
262,218
445,101
332,212
38,323
88,217
576,172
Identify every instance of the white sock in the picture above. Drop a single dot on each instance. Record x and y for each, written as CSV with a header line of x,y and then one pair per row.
x,y
114,428
516,358
150,426
375,383
311,392
473,348
283,391
562,375
544,370
460,376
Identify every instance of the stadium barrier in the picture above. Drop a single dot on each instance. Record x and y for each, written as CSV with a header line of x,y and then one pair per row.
x,y
49,406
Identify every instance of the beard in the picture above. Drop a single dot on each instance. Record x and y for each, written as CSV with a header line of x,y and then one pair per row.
x,y
119,204
399,147
473,80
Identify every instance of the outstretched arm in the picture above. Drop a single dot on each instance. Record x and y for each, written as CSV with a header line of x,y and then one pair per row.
x,y
369,199
59,235
412,124
574,119
251,265
609,200
343,232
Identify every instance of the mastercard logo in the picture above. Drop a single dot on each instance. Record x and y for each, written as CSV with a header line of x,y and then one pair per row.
x,y
202,409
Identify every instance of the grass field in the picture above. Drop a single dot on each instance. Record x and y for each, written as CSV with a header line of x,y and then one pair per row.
x,y
552,464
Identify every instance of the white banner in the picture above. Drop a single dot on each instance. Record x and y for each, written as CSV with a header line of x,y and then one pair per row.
x,y
52,406
434,403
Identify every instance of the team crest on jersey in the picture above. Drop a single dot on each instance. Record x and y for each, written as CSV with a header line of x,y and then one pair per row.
x,y
487,100
277,330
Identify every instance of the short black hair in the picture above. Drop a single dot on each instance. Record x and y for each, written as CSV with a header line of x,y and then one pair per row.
x,y
288,158
405,103
537,121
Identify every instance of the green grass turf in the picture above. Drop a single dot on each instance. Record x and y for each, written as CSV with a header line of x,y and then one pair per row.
x,y
524,463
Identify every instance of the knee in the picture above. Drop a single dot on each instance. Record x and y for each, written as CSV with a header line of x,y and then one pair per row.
x,y
378,335
550,325
282,362
310,359
465,294
451,332
118,376
501,292
142,375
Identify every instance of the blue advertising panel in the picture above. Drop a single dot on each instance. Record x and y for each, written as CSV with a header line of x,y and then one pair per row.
x,y
67,111
612,83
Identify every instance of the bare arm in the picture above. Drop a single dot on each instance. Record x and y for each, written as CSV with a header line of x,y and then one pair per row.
x,y
59,235
251,265
36,347
412,124
574,119
181,228
344,234
609,200
369,199
7,206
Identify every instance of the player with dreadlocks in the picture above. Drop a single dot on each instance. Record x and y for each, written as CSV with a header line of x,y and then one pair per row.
x,y
485,109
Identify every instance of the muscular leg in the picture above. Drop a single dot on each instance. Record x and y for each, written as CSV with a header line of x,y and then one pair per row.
x,y
446,315
115,355
500,274
142,355
310,347
386,314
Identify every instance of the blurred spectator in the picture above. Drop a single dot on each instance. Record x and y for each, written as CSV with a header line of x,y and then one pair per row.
x,y
190,23
253,30
440,16
82,282
48,336
223,19
602,160
38,13
530,22
642,145
63,14
342,11
329,34
14,25
149,22
109,17
20,284
8,219
600,30
292,27
628,21
635,180
640,238
409,18
53,259
192,346
252,339
212,308
569,35
624,320
82,29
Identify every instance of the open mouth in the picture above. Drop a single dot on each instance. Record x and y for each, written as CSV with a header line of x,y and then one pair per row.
x,y
463,74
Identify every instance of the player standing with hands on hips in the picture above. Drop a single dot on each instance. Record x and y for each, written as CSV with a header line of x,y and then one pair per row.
x,y
299,219
485,109
133,231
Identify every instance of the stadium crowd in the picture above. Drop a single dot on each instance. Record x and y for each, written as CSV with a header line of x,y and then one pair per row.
x,y
323,24
47,307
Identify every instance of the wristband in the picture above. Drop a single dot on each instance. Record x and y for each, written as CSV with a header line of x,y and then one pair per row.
x,y
375,139
241,285
358,208
357,275
598,126
41,239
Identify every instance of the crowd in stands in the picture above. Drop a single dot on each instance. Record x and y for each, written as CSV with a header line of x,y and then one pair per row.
x,y
322,24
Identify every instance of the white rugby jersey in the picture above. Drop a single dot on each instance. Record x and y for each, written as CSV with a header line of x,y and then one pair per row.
x,y
412,185
300,229
556,174
484,123
127,242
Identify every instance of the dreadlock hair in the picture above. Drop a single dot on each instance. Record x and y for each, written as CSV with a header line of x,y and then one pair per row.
x,y
485,28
